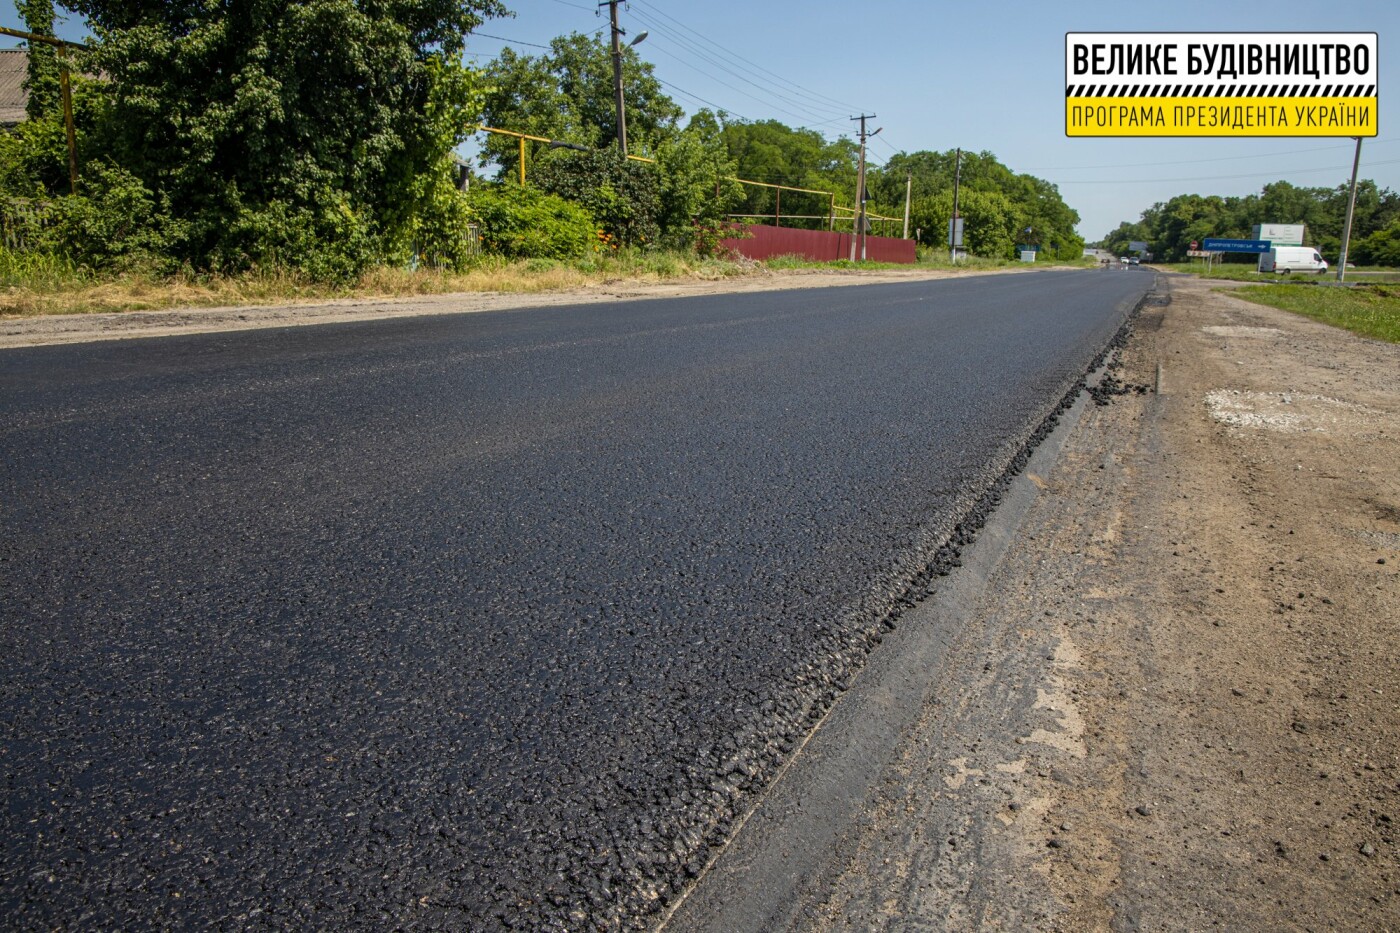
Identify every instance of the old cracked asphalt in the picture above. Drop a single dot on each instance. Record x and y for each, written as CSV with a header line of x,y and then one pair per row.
x,y
473,622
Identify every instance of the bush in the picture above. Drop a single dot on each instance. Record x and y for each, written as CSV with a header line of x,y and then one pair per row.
x,y
622,196
521,222
326,240
114,223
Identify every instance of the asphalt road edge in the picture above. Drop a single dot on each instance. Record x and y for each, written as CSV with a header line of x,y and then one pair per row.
x,y
770,867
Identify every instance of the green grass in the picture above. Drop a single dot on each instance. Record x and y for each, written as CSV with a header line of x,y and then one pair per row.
x,y
1242,272
1371,311
784,263
1229,271
37,270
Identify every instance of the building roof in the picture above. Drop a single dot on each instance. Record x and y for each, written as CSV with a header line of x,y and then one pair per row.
x,y
13,96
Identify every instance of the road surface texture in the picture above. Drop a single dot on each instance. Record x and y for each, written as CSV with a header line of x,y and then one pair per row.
x,y
480,622
1174,705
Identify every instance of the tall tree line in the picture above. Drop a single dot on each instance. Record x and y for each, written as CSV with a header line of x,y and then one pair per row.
x,y
566,94
1170,227
314,134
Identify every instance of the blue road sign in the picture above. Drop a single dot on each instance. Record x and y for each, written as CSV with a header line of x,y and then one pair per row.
x,y
1236,246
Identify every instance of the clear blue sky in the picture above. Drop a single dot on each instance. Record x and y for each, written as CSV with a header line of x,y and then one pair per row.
x,y
983,76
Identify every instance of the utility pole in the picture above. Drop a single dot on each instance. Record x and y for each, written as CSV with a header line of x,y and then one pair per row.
x,y
617,76
953,227
860,189
1351,210
908,190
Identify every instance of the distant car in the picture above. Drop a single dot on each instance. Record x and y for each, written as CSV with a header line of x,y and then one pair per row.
x,y
1134,261
1124,260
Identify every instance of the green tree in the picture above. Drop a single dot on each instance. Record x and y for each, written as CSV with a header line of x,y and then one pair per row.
x,y
298,133
41,78
1380,248
697,188
999,207
567,95
989,221
771,152
1170,226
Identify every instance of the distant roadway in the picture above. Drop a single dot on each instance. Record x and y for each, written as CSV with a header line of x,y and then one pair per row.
x,y
472,621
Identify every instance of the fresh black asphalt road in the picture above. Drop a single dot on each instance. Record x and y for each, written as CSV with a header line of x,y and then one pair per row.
x,y
472,621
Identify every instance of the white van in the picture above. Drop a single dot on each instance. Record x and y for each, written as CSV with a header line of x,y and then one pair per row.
x,y
1287,259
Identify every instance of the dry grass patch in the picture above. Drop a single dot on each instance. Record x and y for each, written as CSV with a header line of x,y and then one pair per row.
x,y
30,289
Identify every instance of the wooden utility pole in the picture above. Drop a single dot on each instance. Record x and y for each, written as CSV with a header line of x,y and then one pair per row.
x,y
860,190
618,103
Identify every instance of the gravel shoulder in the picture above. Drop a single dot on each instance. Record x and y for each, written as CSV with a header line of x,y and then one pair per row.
x,y
81,328
1177,706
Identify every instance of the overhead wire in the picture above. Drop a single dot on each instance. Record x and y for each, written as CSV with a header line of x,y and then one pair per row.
x,y
671,43
1066,168
737,90
741,61
533,45
697,97
1288,171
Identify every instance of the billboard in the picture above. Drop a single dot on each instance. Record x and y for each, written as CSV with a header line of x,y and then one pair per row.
x,y
1280,234
1221,83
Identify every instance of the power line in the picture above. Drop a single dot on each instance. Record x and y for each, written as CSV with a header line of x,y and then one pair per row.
x,y
737,90
1145,181
796,108
533,45
1065,168
692,96
737,58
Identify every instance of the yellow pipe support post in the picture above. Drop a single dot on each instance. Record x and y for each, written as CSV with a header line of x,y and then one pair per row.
x,y
522,161
66,90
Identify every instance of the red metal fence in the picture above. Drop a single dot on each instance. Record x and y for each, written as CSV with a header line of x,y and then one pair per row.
x,y
819,245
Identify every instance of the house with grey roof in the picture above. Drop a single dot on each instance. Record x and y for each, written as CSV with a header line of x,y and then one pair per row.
x,y
13,96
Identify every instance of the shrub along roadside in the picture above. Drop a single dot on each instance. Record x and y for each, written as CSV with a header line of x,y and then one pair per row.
x,y
33,284
520,223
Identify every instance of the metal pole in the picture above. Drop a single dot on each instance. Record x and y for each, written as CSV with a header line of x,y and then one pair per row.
x,y
908,190
66,87
617,78
1351,210
522,161
953,227
778,208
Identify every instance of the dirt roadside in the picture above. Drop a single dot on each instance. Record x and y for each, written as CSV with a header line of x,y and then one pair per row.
x,y
1179,705
16,331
